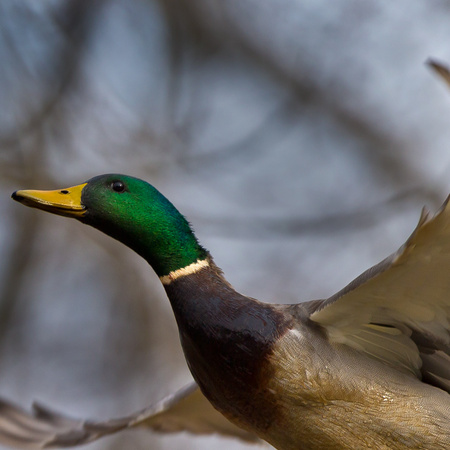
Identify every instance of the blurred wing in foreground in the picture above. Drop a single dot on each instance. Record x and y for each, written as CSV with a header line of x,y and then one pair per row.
x,y
442,70
186,410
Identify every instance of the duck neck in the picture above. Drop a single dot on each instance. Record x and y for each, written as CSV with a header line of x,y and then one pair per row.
x,y
165,240
201,296
173,257
226,337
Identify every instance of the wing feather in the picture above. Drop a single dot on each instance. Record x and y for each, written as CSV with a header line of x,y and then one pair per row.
x,y
185,410
399,310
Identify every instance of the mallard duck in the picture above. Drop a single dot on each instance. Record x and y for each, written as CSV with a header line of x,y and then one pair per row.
x,y
367,368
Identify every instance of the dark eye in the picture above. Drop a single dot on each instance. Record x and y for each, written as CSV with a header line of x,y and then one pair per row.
x,y
117,186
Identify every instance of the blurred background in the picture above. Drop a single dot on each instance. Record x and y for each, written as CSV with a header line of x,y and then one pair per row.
x,y
301,138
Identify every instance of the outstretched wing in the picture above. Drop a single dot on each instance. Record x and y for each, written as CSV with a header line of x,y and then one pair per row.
x,y
186,410
399,311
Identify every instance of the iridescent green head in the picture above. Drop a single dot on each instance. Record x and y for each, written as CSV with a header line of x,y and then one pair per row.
x,y
129,210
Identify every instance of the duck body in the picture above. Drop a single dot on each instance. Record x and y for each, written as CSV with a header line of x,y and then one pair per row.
x,y
342,373
271,371
324,408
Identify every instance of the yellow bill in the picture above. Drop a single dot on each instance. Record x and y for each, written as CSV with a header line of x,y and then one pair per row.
x,y
64,202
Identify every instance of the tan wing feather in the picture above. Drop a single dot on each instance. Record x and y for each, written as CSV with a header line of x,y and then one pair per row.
x,y
399,310
186,410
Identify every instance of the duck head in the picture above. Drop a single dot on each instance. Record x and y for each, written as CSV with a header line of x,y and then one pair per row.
x,y
129,210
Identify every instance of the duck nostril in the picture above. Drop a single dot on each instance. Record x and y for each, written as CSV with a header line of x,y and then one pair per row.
x,y
64,191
